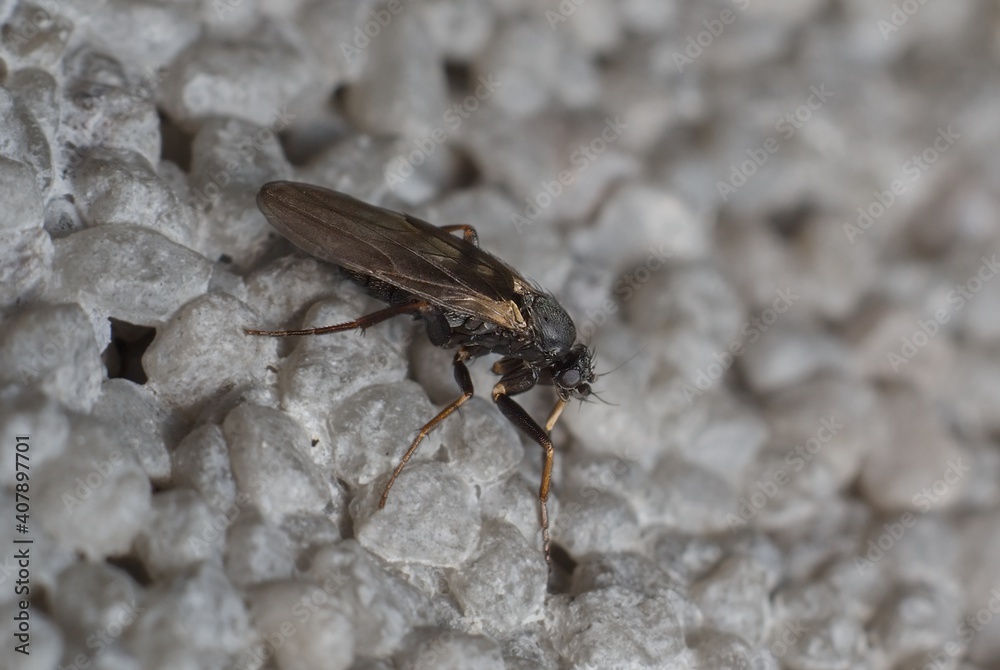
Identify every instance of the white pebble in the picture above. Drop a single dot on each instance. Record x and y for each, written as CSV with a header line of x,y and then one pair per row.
x,y
196,619
251,80
179,533
52,347
384,607
505,562
201,462
144,286
451,650
430,517
402,88
94,499
203,350
141,423
267,449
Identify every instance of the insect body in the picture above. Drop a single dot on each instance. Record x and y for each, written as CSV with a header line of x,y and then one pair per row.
x,y
467,298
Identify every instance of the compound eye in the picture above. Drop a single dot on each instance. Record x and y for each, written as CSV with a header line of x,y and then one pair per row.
x,y
569,378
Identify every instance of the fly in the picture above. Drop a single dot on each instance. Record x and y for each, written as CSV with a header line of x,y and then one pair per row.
x,y
467,298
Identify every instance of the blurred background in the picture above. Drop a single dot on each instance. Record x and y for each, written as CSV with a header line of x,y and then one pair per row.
x,y
777,223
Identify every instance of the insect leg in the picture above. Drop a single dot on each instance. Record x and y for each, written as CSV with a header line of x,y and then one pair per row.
x,y
363,322
555,414
520,418
465,384
468,232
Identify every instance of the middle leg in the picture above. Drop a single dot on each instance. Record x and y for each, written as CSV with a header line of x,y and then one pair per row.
x,y
520,418
465,384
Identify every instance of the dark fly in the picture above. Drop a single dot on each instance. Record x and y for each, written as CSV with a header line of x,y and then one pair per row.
x,y
466,297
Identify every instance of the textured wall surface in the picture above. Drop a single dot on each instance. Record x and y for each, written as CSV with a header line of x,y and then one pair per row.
x,y
777,223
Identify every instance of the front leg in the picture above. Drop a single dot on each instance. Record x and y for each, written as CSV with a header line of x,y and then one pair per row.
x,y
511,385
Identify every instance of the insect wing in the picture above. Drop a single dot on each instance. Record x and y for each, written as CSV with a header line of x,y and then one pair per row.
x,y
395,248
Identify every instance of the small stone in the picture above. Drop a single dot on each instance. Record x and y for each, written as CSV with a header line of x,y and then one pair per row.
x,y
23,140
402,87
282,290
370,431
251,79
450,650
787,353
878,337
459,30
203,351
52,347
257,552
178,534
141,423
102,109
267,452
549,165
663,230
917,618
96,497
95,597
430,517
336,33
524,58
25,265
922,467
146,35
322,371
514,500
201,462
603,628
38,91
735,599
115,188
384,608
489,447
685,497
592,520
832,417
21,197
193,619
721,434
230,160
322,634
812,629
145,285
33,424
504,563
35,36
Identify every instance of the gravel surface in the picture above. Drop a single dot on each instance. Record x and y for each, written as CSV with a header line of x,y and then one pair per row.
x,y
778,224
